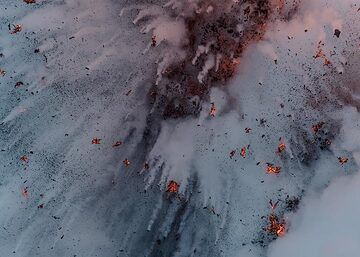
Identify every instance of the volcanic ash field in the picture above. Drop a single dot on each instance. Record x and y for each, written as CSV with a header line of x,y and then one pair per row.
x,y
179,128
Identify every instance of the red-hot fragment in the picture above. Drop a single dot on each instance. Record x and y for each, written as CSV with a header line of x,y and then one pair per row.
x,y
276,226
271,169
243,152
172,187
126,162
281,147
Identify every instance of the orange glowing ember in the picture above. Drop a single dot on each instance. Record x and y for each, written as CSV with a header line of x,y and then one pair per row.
x,y
343,160
243,152
126,162
281,230
271,169
117,143
95,141
276,227
24,158
25,192
17,28
315,128
213,110
172,187
281,147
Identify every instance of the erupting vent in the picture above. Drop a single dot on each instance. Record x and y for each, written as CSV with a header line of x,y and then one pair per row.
x,y
201,44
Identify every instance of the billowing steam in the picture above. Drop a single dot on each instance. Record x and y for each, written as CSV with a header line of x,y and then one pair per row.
x,y
180,128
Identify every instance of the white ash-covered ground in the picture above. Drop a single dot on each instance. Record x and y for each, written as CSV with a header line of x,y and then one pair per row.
x,y
82,70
